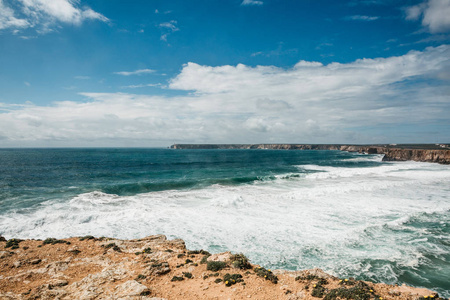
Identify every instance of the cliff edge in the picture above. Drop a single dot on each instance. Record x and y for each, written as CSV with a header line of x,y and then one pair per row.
x,y
441,156
157,268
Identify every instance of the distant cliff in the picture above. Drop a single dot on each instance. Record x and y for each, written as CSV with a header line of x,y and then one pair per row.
x,y
258,146
425,153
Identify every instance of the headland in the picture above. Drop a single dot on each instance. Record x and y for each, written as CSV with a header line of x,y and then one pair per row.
x,y
437,153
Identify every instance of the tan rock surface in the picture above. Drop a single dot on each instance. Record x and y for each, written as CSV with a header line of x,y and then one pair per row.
x,y
144,268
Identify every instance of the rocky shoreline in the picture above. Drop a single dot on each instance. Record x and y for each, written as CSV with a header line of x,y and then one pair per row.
x,y
436,153
157,268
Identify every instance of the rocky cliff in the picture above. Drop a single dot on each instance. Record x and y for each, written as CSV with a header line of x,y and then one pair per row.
x,y
157,268
429,153
441,156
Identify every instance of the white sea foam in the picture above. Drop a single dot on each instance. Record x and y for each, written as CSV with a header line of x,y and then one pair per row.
x,y
340,219
365,157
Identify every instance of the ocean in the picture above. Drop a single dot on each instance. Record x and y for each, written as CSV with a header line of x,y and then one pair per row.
x,y
349,214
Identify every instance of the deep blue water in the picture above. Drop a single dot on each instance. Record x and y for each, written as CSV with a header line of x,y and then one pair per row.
x,y
37,175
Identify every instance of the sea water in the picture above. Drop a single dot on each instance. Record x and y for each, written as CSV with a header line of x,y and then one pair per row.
x,y
347,213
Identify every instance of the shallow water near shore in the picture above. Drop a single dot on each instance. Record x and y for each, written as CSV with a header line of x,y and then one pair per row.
x,y
347,213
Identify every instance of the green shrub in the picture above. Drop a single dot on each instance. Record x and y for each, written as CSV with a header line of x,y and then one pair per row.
x,y
87,237
74,251
307,277
434,296
267,274
113,246
232,279
318,291
199,252
215,265
54,241
204,259
177,278
349,281
13,243
239,261
361,291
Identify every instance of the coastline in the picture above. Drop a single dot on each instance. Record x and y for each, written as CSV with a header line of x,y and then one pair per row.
x,y
157,268
436,153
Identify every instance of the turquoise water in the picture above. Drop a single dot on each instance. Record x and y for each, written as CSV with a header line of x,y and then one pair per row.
x,y
349,214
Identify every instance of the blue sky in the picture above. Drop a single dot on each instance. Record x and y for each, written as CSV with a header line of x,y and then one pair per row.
x,y
153,73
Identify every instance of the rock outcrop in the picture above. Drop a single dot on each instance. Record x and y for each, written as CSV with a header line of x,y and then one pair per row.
x,y
441,156
157,268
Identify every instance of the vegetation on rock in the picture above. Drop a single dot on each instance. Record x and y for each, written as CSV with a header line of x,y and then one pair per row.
x,y
360,291
232,279
216,265
87,237
240,261
13,243
267,274
177,278
54,241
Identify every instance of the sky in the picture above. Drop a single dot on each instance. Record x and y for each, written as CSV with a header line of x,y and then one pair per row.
x,y
151,73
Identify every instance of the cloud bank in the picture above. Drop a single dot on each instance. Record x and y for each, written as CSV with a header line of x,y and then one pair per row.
x,y
366,101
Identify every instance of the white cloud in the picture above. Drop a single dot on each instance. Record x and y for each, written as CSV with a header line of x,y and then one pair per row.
x,y
272,105
252,2
79,77
366,2
135,86
257,124
276,52
170,25
45,14
137,72
361,18
168,28
435,15
308,103
8,20
307,76
164,37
